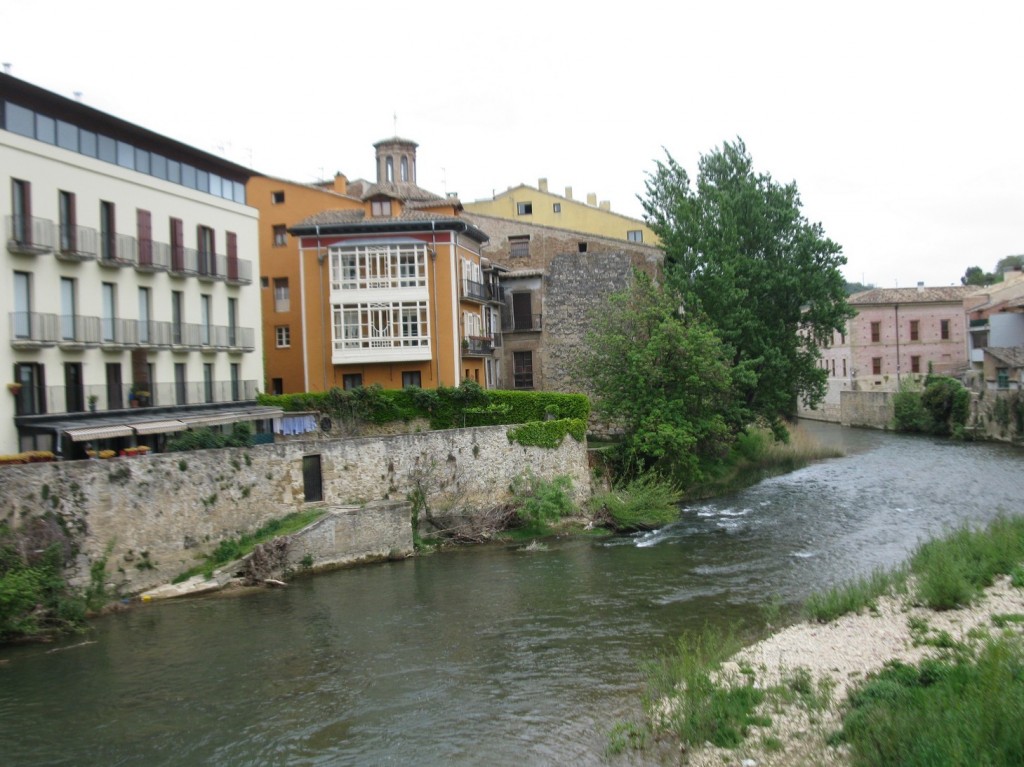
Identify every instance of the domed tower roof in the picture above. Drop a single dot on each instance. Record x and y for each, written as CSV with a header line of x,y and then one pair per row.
x,y
396,160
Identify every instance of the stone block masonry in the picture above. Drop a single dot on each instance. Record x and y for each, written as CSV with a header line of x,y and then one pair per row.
x,y
155,516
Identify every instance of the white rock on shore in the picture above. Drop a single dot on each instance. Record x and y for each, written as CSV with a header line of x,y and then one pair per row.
x,y
843,651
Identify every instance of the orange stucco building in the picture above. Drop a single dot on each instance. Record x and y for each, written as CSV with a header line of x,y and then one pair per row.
x,y
373,283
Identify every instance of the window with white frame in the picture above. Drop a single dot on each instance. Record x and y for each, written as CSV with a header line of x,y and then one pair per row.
x,y
472,325
380,208
373,267
635,235
381,325
283,336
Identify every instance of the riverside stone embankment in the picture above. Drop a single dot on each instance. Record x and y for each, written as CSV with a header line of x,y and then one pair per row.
x,y
152,517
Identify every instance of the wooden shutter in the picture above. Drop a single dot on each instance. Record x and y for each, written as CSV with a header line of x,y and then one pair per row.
x,y
144,226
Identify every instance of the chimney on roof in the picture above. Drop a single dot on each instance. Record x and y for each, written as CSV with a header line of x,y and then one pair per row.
x,y
568,193
606,205
591,199
920,287
542,184
340,183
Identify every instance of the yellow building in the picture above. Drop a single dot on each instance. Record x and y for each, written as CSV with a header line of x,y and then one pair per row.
x,y
373,283
537,205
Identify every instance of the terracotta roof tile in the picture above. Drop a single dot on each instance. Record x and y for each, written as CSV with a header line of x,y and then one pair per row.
x,y
950,294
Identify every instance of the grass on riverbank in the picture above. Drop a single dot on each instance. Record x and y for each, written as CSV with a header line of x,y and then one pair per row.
x,y
945,573
757,455
231,549
962,708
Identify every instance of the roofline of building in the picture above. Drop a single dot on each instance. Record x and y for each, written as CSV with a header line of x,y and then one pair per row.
x,y
387,225
655,249
538,190
54,105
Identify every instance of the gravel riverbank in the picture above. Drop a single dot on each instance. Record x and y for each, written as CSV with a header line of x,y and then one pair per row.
x,y
842,652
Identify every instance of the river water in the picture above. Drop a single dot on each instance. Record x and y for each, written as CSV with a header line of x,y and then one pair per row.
x,y
487,655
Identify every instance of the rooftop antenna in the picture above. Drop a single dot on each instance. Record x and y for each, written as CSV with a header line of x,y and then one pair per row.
x,y
394,118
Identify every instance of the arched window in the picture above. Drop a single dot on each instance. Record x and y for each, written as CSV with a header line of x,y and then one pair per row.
x,y
389,169
405,168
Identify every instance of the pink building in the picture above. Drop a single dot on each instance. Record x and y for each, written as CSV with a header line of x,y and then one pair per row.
x,y
898,333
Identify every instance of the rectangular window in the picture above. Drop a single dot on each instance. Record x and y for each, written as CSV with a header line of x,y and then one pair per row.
x,y
844,367
876,332
280,235
205,320
115,393
66,212
18,119
236,382
144,229
109,329
283,336
177,245
352,381
232,322
31,400
519,246
74,390
67,309
556,207
380,208
282,300
944,329
635,235
231,243
21,212
207,263
581,247
372,267
180,384
915,364
522,370
876,366
1003,378
522,311
67,136
177,311
410,379
277,198
915,328
524,208
108,232
208,382
145,310
22,305
380,325
277,386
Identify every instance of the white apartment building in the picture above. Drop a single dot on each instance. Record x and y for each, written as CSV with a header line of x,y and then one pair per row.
x,y
128,308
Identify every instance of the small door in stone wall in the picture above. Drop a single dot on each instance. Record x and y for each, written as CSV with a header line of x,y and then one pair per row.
x,y
312,479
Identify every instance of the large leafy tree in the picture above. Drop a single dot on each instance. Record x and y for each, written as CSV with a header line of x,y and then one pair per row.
x,y
740,252
663,377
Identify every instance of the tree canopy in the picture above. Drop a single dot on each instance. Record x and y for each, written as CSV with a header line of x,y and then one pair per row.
x,y
740,253
664,378
975,275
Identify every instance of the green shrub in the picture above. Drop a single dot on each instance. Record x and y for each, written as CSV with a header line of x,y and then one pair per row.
x,y
548,434
955,711
644,503
207,439
854,596
540,503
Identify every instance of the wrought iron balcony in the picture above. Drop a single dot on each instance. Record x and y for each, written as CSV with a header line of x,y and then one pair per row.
x,y
477,346
475,291
522,323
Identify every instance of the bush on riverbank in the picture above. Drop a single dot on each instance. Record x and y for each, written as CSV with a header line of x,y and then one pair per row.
x,y
540,503
643,503
35,600
940,408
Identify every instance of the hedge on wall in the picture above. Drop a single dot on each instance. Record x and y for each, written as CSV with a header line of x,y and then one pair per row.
x,y
548,434
445,407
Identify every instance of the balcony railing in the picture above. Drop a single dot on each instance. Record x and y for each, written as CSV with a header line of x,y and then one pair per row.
x,y
28,235
101,398
479,346
521,322
33,330
476,291
35,236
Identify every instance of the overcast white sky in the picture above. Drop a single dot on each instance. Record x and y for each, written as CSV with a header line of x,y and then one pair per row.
x,y
899,121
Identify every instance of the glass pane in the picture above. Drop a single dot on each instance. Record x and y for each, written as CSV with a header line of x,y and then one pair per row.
x,y
188,176
108,149
174,171
87,143
141,160
125,154
46,129
67,135
202,181
158,165
20,120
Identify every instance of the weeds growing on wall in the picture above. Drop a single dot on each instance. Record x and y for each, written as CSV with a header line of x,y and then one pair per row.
x,y
540,502
206,439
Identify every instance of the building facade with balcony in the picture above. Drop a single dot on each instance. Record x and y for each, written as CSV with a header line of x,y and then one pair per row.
x,y
995,340
128,266
385,283
554,281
